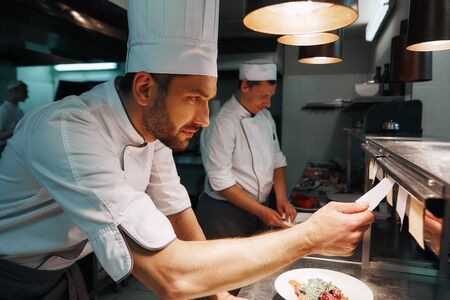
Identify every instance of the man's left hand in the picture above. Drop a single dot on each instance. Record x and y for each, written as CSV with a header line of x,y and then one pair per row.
x,y
286,208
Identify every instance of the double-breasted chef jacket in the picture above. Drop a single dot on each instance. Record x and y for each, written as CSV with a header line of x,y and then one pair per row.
x,y
241,148
74,175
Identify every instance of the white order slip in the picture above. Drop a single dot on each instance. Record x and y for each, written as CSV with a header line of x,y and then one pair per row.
x,y
377,193
402,201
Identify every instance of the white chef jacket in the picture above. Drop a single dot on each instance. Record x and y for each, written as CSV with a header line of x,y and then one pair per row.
x,y
242,149
77,170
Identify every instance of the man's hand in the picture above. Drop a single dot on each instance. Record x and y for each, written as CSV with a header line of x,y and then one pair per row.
x,y
270,217
226,296
286,208
337,228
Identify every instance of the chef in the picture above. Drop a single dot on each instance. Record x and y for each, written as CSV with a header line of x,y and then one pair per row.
x,y
243,160
95,173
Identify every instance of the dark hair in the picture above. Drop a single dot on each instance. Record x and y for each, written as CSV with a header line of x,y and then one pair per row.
x,y
253,83
162,81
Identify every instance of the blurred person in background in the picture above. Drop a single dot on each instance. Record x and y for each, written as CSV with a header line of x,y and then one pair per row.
x,y
10,112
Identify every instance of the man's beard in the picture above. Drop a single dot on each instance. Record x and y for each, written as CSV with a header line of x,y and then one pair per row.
x,y
158,122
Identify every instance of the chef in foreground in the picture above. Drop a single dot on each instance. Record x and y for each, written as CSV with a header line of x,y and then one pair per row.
x,y
95,173
243,161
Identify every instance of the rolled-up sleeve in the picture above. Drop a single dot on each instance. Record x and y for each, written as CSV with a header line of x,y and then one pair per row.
x,y
80,168
169,195
217,146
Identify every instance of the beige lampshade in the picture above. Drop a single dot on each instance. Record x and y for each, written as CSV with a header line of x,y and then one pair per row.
x,y
299,17
308,39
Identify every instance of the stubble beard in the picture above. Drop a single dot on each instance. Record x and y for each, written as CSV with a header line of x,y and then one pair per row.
x,y
158,122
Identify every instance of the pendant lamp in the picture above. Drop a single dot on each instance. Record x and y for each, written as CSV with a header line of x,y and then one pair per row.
x,y
429,25
299,17
409,66
309,39
330,53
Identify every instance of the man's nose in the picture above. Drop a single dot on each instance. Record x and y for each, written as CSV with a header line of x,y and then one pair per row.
x,y
268,102
202,118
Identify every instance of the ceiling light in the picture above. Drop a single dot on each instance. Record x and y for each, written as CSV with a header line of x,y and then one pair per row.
x,y
377,17
330,53
409,66
309,39
429,25
86,67
299,17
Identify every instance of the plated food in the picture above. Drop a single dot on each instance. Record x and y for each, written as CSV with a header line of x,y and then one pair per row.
x,y
317,288
322,284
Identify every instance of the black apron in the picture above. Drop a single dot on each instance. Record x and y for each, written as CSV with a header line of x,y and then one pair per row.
x,y
222,219
22,283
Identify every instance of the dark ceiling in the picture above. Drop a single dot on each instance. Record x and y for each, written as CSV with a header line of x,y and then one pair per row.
x,y
42,32
47,32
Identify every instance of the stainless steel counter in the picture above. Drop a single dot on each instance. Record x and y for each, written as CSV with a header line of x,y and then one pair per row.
x,y
385,285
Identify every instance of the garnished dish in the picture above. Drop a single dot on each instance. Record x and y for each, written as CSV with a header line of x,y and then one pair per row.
x,y
320,284
317,289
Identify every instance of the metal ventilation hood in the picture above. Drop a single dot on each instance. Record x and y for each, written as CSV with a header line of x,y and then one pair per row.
x,y
46,32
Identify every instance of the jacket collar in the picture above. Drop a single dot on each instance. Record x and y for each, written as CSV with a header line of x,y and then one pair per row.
x,y
108,93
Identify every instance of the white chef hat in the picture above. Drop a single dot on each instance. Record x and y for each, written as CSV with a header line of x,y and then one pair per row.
x,y
173,37
258,70
14,84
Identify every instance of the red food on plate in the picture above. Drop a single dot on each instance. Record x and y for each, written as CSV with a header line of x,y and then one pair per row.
x,y
303,201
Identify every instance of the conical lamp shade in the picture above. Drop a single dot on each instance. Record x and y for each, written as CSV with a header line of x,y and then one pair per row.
x,y
330,53
409,66
309,39
429,25
299,17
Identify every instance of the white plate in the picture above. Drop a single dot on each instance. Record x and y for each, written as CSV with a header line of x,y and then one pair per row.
x,y
351,287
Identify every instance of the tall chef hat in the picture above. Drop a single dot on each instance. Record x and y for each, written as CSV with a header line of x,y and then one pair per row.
x,y
257,70
173,37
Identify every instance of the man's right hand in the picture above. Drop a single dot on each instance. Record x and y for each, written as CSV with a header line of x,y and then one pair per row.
x,y
270,217
337,228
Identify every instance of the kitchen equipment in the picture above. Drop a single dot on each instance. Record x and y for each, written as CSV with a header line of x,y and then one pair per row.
x,y
397,118
421,167
391,126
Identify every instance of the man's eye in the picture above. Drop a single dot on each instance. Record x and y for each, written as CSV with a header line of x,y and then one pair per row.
x,y
193,98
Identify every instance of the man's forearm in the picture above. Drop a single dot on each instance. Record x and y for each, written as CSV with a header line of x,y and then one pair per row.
x,y
186,226
186,269
279,184
194,269
242,199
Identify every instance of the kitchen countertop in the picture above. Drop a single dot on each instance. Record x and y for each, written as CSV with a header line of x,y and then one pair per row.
x,y
385,285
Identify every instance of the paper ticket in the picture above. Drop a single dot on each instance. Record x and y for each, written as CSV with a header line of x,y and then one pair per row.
x,y
377,193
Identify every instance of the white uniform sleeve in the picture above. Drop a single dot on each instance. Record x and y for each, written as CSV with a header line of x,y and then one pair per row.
x,y
79,167
217,146
169,195
279,160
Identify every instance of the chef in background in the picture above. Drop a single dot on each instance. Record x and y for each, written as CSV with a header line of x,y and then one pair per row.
x,y
243,161
95,173
10,112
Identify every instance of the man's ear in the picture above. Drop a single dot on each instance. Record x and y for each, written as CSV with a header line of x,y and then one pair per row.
x,y
244,86
144,89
